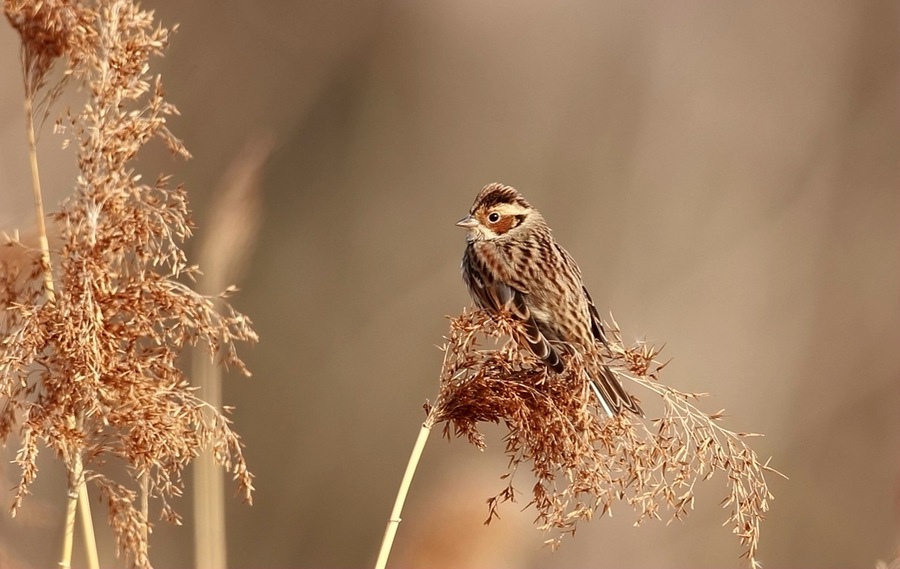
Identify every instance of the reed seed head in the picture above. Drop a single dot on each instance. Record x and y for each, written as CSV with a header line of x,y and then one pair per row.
x,y
582,461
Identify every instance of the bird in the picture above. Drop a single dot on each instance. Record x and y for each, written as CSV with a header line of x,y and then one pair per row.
x,y
513,265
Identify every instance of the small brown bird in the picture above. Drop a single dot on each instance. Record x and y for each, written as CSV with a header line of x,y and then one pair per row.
x,y
512,264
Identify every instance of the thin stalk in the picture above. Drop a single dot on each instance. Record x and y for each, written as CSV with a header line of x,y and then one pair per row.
x,y
209,480
77,491
394,521
76,480
36,189
233,222
87,524
145,505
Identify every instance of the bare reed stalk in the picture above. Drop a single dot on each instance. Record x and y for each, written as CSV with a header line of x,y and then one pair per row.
x,y
145,504
87,526
89,363
393,523
229,237
32,79
36,181
76,481
584,462
210,551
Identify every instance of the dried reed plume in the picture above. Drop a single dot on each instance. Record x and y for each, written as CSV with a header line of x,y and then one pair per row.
x,y
582,461
89,357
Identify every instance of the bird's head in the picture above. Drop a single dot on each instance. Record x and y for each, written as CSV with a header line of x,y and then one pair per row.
x,y
499,211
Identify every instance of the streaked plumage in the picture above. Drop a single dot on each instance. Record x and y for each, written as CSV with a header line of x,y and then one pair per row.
x,y
513,264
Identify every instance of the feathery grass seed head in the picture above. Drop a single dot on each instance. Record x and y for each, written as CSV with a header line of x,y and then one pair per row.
x,y
583,462
92,372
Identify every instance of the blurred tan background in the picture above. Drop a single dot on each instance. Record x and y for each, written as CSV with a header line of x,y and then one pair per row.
x,y
726,174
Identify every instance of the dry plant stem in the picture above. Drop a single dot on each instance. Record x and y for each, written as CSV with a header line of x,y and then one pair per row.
x,y
77,495
65,561
76,481
209,480
230,233
36,188
145,504
391,531
87,524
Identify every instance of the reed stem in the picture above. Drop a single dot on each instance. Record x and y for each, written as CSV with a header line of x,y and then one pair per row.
x,y
394,521
77,494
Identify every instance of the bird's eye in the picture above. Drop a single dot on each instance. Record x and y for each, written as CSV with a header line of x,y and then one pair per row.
x,y
494,217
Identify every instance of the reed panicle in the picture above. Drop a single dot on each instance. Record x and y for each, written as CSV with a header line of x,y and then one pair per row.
x,y
91,345
582,461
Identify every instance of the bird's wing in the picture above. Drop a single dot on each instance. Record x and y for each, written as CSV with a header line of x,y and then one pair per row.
x,y
492,294
533,337
596,322
607,385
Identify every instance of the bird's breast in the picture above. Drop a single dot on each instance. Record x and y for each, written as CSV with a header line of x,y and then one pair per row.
x,y
491,259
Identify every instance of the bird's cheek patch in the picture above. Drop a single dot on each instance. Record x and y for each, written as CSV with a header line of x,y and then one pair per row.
x,y
506,223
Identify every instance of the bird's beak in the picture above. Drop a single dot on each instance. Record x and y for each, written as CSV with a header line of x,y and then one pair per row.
x,y
468,221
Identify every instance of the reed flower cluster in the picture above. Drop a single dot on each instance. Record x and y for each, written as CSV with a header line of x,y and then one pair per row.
x,y
91,335
582,462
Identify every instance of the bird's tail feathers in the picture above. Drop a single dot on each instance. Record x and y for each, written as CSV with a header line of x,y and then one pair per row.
x,y
612,396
